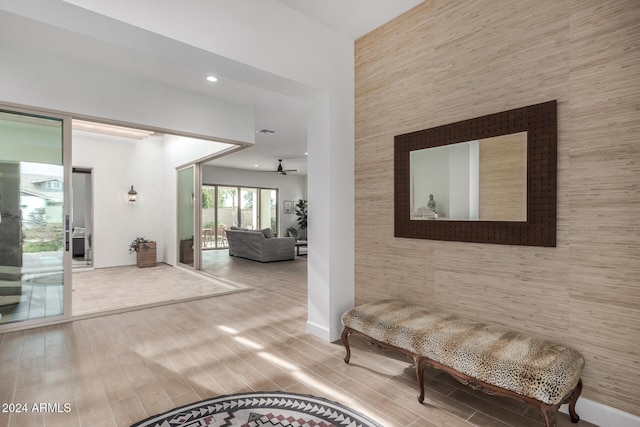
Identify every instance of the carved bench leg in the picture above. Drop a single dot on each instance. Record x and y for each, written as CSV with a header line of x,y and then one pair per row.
x,y
420,373
345,342
572,404
549,413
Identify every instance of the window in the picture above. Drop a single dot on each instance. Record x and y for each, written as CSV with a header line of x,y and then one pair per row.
x,y
53,185
234,206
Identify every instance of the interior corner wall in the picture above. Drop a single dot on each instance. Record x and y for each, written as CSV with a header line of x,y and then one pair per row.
x,y
178,151
444,62
150,166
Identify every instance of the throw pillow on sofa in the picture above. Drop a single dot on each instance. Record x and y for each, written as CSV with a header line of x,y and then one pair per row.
x,y
267,233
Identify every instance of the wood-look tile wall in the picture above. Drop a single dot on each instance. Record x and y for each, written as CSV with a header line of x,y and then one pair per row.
x,y
446,61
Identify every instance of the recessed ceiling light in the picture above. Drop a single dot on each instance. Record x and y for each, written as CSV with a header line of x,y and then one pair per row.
x,y
212,79
306,154
255,166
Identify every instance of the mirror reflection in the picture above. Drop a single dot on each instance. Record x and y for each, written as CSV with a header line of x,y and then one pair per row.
x,y
481,180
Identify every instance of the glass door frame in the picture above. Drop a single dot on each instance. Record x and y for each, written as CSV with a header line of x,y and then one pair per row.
x,y
197,217
255,208
278,233
67,309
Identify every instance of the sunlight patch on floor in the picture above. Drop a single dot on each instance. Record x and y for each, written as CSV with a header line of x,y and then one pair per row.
x,y
228,330
249,343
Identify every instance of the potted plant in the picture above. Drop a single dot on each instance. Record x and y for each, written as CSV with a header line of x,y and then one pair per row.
x,y
145,250
292,232
301,211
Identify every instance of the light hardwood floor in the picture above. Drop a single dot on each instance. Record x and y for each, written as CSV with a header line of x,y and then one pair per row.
x,y
118,369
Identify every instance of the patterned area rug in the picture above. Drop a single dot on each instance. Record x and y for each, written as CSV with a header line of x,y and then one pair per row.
x,y
261,409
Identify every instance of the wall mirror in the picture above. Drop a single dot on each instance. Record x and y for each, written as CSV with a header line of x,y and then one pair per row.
x,y
491,179
483,179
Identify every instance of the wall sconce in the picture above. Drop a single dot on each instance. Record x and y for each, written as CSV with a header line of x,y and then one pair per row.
x,y
133,195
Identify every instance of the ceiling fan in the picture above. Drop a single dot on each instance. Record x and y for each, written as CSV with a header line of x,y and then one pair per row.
x,y
281,170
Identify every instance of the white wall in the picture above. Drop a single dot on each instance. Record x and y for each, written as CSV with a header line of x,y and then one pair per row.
x,y
291,187
117,164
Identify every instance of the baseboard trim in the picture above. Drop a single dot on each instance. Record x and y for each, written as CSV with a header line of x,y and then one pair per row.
x,y
318,331
603,415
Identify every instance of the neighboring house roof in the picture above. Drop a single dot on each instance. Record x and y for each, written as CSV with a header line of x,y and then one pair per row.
x,y
30,184
45,180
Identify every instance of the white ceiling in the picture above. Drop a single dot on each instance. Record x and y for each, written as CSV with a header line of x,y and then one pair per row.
x,y
352,18
183,66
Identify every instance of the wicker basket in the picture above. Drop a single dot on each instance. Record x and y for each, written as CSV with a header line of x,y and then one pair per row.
x,y
147,255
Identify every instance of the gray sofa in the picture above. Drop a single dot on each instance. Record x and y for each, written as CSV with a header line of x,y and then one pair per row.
x,y
252,244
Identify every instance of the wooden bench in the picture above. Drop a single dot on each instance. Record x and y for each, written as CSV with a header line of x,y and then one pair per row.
x,y
492,359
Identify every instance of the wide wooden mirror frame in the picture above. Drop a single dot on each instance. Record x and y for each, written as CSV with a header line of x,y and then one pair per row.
x,y
540,123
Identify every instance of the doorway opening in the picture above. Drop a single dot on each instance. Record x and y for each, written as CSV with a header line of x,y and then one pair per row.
x,y
82,224
51,211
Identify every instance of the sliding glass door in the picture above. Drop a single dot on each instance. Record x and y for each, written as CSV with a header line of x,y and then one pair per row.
x,y
223,207
227,206
268,211
249,208
34,217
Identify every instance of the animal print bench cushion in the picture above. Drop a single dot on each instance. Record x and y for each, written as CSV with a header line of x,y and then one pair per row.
x,y
540,369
